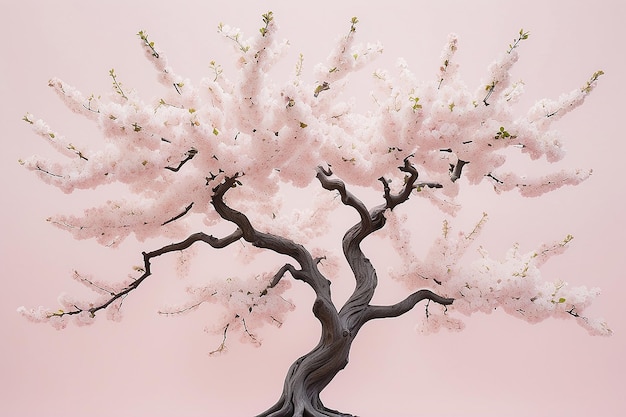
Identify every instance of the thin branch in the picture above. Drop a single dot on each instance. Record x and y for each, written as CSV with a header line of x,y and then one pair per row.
x,y
490,175
40,169
190,154
217,243
395,310
222,345
252,336
92,284
178,216
182,310
489,88
144,37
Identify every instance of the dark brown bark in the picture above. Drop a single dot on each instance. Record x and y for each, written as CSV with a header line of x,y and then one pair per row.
x,y
311,373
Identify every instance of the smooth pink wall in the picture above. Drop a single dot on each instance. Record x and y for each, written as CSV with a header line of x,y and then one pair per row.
x,y
154,366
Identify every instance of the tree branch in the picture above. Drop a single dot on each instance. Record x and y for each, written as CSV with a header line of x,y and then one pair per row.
x,y
269,241
362,269
395,310
308,271
455,170
409,185
179,215
297,274
174,247
323,307
347,198
189,156
227,213
372,220
403,195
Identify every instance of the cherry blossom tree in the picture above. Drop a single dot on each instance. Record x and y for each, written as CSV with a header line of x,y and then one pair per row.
x,y
224,151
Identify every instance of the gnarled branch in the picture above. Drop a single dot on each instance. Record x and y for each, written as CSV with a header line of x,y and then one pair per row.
x,y
347,198
308,273
227,213
323,306
409,184
297,274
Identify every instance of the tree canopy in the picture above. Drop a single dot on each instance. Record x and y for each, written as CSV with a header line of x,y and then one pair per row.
x,y
258,133
225,149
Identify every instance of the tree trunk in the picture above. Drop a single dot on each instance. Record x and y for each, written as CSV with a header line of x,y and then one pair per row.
x,y
309,375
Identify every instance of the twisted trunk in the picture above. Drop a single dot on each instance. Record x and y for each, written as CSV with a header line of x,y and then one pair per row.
x,y
311,373
308,376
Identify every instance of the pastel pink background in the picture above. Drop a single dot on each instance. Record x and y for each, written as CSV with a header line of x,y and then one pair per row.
x,y
149,365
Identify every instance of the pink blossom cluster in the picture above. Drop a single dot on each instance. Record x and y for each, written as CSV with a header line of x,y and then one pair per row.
x,y
171,151
514,284
247,304
76,310
280,132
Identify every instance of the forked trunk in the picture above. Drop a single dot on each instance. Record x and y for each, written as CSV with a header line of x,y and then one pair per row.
x,y
311,373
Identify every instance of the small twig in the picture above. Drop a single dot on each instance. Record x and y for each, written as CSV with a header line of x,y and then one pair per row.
x,y
490,175
253,337
222,346
178,216
111,292
522,36
321,87
183,310
117,85
477,227
573,312
144,37
47,172
489,88
88,106
267,18
190,154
